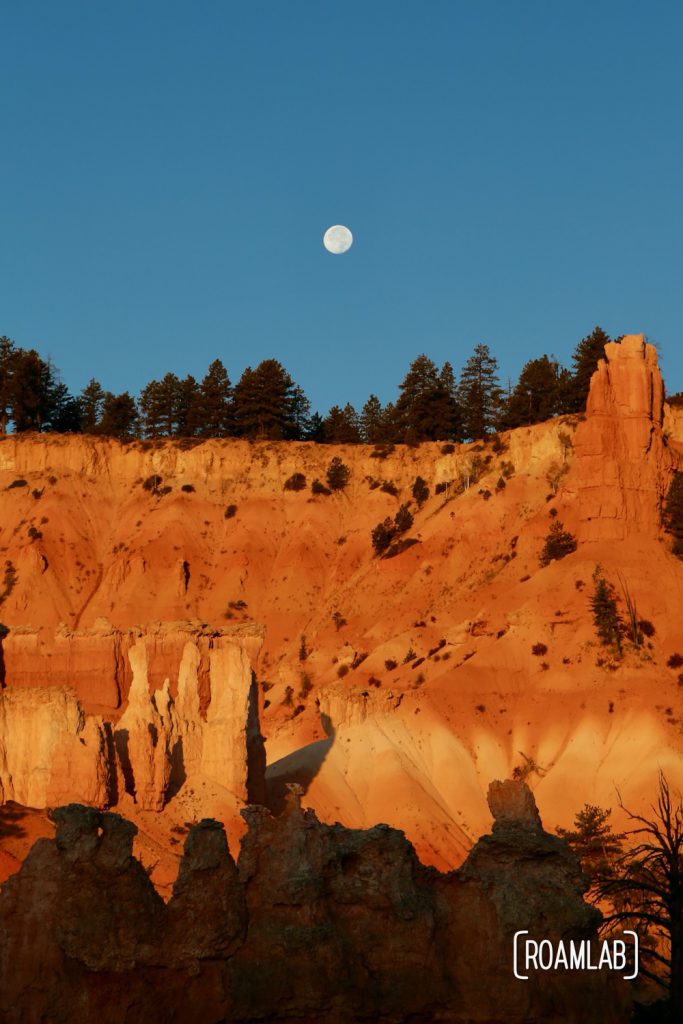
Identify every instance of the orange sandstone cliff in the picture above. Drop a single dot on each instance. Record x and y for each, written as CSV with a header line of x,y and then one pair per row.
x,y
390,689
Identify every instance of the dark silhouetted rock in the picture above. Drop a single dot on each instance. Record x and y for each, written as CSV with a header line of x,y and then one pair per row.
x,y
315,923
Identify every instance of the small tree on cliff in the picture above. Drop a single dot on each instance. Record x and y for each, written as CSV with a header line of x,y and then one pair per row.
x,y
403,519
595,843
558,544
338,474
382,535
605,615
420,490
386,531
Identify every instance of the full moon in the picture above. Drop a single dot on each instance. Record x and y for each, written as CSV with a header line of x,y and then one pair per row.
x,y
337,239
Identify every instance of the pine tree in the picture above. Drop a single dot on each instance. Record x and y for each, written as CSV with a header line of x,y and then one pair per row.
x,y
8,356
267,402
372,422
315,430
119,416
340,426
479,393
594,842
63,411
91,400
301,416
420,490
558,544
445,414
426,409
150,405
338,474
170,394
391,430
585,359
413,407
538,395
32,383
159,405
187,410
605,614
216,413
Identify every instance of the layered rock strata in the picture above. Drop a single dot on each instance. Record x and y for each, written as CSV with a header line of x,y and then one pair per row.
x,y
95,662
51,752
313,923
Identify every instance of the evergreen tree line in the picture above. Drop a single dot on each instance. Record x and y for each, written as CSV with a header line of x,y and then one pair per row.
x,y
432,405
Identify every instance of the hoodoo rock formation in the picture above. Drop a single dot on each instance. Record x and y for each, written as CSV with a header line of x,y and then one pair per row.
x,y
47,748
147,736
51,752
313,923
624,466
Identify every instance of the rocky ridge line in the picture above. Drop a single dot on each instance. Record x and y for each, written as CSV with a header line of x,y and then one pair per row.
x,y
314,922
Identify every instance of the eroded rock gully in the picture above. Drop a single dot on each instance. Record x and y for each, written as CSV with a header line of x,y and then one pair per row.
x,y
314,923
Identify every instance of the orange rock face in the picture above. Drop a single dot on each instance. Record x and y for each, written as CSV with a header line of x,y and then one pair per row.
x,y
624,466
391,689
32,726
314,923
51,752
95,662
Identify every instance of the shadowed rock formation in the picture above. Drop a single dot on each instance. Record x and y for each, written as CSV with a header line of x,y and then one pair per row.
x,y
314,923
146,734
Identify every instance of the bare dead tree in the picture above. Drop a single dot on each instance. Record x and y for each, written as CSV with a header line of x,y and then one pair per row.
x,y
646,892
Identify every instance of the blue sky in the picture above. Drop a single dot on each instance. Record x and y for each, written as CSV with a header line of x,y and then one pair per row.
x,y
510,171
